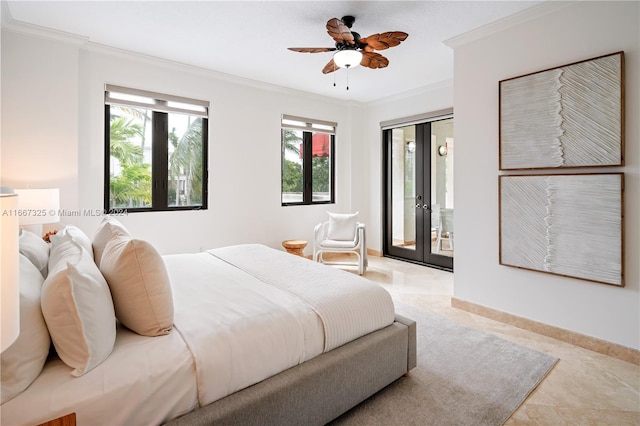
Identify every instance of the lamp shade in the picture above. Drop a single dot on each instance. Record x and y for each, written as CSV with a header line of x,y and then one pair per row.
x,y
39,206
9,267
347,58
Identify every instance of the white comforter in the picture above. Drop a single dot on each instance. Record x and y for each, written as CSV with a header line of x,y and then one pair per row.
x,y
243,329
348,305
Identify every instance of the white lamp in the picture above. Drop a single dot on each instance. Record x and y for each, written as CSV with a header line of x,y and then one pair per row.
x,y
9,269
38,206
347,58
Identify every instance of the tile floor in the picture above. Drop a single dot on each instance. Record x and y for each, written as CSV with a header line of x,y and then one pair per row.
x,y
584,388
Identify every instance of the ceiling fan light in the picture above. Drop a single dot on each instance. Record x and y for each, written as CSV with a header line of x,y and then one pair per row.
x,y
347,58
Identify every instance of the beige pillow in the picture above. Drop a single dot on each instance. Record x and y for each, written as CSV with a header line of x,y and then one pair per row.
x,y
78,309
35,249
139,285
22,362
108,228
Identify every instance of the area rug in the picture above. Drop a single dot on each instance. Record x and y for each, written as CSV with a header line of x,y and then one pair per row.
x,y
464,377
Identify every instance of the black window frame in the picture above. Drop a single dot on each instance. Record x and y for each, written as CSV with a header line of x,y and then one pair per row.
x,y
159,158
307,159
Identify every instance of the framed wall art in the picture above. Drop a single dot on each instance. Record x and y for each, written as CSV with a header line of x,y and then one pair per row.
x,y
569,116
569,225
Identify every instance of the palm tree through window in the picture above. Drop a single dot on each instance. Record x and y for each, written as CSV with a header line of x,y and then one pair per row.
x,y
155,151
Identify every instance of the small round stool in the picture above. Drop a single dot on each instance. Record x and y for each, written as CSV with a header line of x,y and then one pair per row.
x,y
294,246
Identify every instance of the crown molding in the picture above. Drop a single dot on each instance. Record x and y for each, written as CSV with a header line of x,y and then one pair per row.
x,y
20,27
534,12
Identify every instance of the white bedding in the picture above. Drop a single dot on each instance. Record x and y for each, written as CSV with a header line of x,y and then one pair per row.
x,y
286,311
233,327
145,380
239,329
348,305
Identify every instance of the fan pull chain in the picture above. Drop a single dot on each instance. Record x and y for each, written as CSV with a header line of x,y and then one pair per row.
x,y
334,76
348,77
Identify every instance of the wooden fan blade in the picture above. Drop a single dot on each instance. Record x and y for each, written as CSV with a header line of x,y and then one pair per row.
x,y
373,60
330,67
385,40
339,31
312,49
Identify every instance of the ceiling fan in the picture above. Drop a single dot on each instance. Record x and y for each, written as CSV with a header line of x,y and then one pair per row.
x,y
353,50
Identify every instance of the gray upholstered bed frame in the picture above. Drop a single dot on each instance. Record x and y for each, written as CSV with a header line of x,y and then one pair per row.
x,y
321,389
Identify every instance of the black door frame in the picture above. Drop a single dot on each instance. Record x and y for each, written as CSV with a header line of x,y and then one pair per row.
x,y
422,253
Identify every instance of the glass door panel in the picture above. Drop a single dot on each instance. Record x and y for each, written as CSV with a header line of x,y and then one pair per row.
x,y
442,187
403,191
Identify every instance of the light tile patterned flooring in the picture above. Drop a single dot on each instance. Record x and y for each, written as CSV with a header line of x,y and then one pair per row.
x,y
584,388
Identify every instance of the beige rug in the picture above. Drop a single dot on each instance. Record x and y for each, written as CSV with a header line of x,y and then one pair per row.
x,y
464,377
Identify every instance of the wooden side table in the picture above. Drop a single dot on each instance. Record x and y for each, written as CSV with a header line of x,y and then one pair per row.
x,y
294,246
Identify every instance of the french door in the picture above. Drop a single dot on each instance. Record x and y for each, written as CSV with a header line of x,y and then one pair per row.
x,y
418,193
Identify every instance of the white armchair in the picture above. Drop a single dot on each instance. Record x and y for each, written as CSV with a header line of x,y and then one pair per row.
x,y
342,233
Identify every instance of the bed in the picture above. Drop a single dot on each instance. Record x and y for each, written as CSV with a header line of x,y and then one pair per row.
x,y
256,336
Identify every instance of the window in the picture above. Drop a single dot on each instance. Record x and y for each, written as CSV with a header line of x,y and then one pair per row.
x,y
307,161
155,151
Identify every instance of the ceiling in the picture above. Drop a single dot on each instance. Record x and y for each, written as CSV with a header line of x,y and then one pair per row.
x,y
250,39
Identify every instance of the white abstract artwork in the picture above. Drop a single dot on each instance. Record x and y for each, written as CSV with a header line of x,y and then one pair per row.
x,y
571,116
568,225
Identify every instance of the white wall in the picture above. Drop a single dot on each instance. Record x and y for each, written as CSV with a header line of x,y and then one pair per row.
x,y
53,135
559,33
39,114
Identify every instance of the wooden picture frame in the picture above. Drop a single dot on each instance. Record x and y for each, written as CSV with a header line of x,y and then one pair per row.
x,y
568,225
568,116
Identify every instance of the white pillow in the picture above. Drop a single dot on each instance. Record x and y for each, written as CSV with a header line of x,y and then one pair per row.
x,y
342,227
22,362
108,228
139,285
79,235
63,247
35,249
78,309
